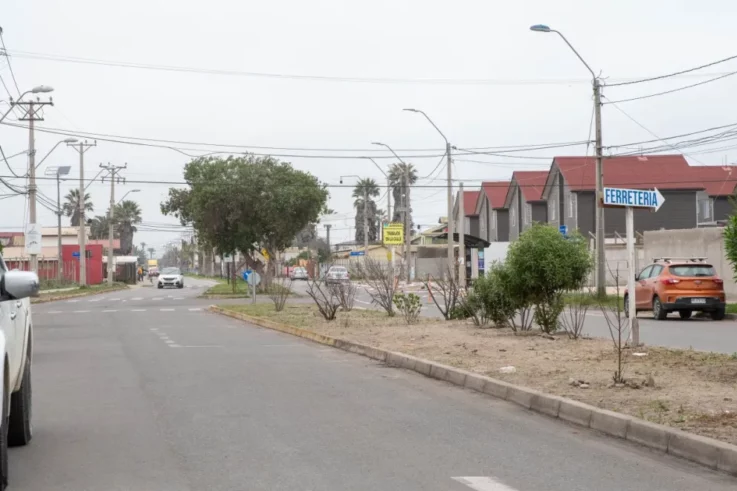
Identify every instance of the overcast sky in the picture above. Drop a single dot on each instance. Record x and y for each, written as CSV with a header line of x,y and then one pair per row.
x,y
535,90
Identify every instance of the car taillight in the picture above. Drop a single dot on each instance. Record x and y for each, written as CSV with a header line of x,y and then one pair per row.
x,y
670,281
718,281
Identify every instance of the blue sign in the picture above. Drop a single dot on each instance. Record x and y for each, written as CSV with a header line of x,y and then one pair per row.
x,y
563,229
358,253
635,198
75,254
246,273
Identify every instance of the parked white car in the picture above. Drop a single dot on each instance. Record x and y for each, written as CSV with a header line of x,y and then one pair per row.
x,y
16,342
171,277
337,275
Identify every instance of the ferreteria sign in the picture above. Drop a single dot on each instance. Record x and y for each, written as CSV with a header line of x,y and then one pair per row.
x,y
636,198
393,234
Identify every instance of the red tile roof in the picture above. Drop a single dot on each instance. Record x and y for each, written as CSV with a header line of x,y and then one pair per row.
x,y
717,180
496,192
469,202
531,183
661,171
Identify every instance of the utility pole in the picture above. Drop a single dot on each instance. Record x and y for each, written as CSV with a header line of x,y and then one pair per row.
x,y
112,170
81,148
59,265
32,114
365,221
461,238
407,223
451,245
600,237
327,227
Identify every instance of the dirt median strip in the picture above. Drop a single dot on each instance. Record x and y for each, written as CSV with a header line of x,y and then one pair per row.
x,y
706,451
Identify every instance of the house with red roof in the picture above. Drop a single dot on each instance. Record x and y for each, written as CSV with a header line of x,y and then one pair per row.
x,y
525,201
569,192
714,203
471,223
493,216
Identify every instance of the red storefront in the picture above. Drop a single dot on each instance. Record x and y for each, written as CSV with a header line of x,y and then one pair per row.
x,y
94,263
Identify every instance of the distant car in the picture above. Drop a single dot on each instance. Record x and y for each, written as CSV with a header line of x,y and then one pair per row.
x,y
299,274
337,275
679,285
171,277
153,272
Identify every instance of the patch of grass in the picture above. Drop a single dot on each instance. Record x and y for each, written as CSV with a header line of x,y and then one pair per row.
x,y
87,289
593,300
732,308
225,288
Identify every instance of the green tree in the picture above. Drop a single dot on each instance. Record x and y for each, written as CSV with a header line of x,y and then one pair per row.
x,y
127,214
246,203
70,208
543,264
730,243
397,181
366,187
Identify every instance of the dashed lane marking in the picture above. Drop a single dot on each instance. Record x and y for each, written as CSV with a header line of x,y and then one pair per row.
x,y
110,310
80,311
138,310
483,484
166,310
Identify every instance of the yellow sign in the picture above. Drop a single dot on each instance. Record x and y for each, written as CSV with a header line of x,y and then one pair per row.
x,y
265,253
394,234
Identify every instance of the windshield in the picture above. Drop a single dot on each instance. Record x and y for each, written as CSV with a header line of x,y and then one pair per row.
x,y
338,269
170,271
700,270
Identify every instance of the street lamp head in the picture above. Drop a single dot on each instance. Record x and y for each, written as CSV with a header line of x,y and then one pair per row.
x,y
540,28
42,89
71,140
411,110
135,190
378,143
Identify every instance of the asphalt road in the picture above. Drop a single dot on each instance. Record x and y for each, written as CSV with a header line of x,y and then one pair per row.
x,y
151,394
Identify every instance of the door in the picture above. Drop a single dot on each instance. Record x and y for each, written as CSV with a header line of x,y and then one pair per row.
x,y
651,283
8,324
640,286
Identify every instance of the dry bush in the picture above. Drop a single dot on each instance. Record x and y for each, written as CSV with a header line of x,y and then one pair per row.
x,y
278,291
380,278
445,292
346,293
573,317
324,297
619,330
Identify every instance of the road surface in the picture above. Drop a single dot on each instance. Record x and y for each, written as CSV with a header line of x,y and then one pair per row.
x,y
142,390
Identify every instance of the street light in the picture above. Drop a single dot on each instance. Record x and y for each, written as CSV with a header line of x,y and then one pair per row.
x,y
365,212
57,172
600,253
68,140
406,208
461,233
39,89
126,194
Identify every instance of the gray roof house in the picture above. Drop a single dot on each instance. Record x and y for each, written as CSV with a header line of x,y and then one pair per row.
x,y
525,201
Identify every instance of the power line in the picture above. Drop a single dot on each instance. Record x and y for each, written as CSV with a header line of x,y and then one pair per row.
x,y
675,74
673,90
7,58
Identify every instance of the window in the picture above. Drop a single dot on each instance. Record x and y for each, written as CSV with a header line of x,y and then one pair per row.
x,y
572,200
493,219
645,274
700,270
656,271
528,213
705,206
553,206
513,215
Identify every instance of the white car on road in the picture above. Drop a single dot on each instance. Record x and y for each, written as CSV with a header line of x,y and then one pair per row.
x,y
171,277
16,342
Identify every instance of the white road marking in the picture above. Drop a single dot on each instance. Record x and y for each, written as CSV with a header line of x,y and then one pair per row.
x,y
109,310
72,301
483,484
52,312
178,346
157,298
174,346
113,299
80,312
195,310
169,341
137,298
166,310
178,298
138,310
363,301
95,300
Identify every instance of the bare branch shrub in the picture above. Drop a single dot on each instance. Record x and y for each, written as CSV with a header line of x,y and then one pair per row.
x,y
346,293
524,323
573,317
445,292
380,280
619,329
278,291
409,305
324,297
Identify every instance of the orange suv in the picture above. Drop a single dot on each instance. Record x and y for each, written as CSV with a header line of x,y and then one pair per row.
x,y
680,285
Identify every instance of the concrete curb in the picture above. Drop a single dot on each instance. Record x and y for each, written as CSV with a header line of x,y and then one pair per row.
x,y
37,300
702,450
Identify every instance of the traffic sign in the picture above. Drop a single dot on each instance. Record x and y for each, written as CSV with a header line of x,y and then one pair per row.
x,y
563,229
246,273
253,279
358,253
75,254
394,234
635,198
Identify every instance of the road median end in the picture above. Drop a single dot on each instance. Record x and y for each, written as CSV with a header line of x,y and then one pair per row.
x,y
702,450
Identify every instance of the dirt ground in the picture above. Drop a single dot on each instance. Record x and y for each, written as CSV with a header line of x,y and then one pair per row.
x,y
691,390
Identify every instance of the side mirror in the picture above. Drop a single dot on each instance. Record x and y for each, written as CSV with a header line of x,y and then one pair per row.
x,y
16,285
637,277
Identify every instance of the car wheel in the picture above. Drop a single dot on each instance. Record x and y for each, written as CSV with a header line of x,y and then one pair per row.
x,y
180,285
20,429
160,286
718,314
4,444
658,311
685,314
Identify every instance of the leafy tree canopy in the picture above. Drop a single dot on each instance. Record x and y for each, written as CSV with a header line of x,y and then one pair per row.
x,y
246,202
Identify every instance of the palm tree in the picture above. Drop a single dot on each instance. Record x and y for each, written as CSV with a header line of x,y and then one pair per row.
x,y
127,215
397,178
99,228
71,206
366,188
151,251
